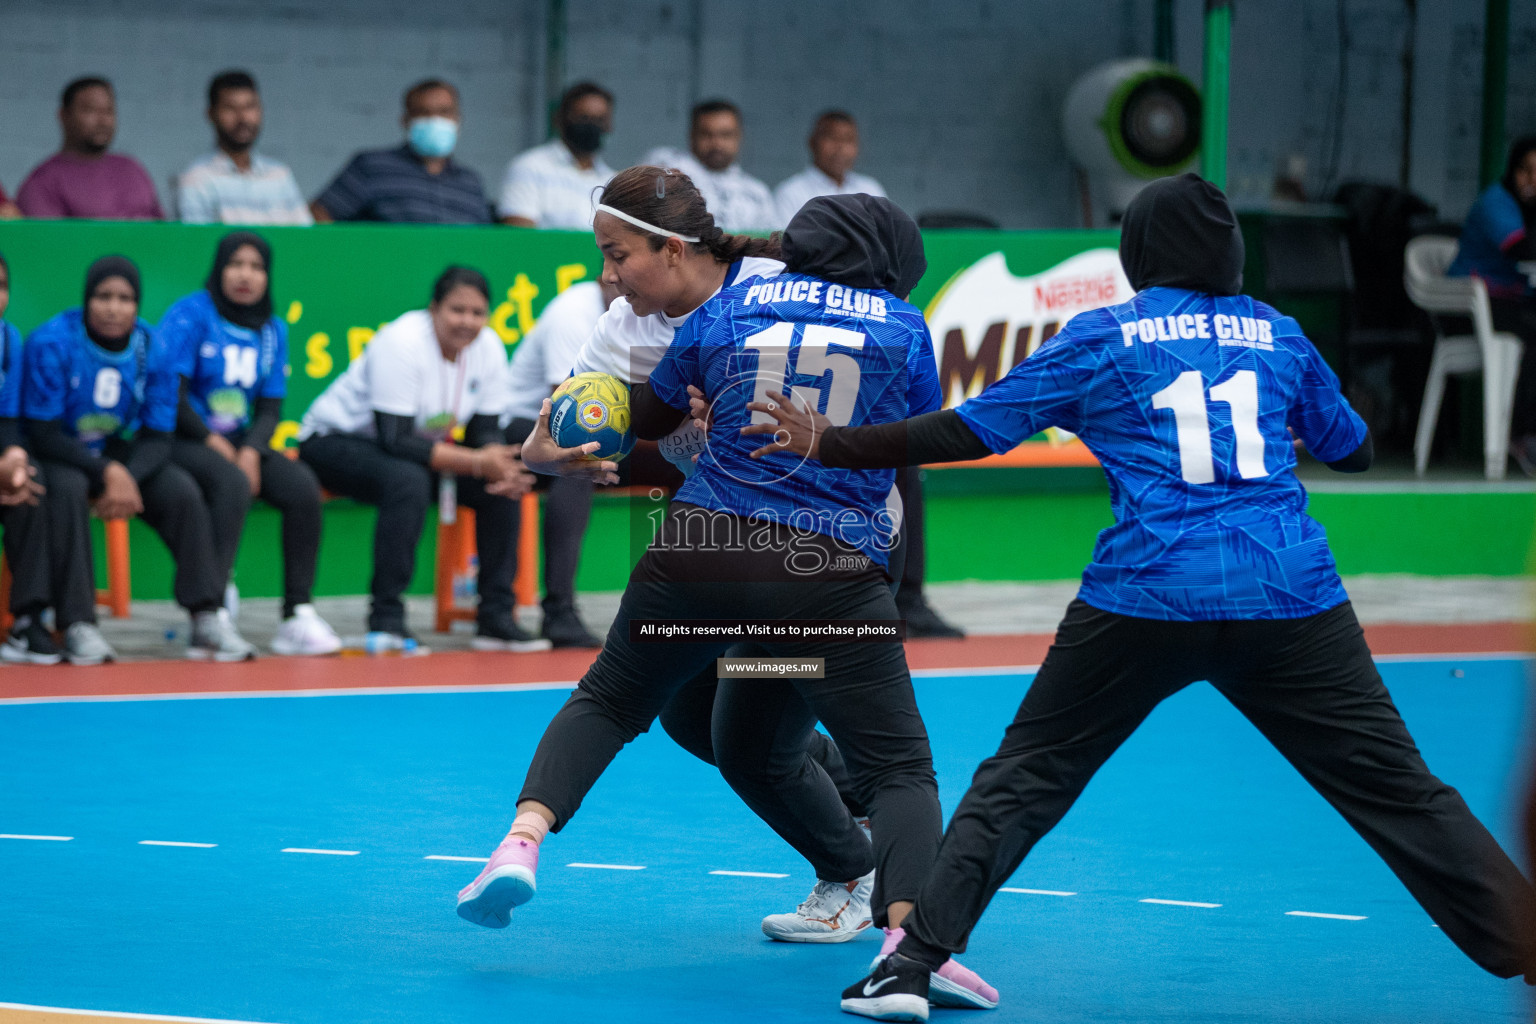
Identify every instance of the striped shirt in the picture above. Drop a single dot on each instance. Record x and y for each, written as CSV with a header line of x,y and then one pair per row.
x,y
547,187
738,201
213,190
393,185
794,192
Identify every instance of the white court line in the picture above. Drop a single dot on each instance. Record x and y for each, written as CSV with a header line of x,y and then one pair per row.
x,y
1038,892
333,853
1330,917
609,867
1181,903
466,860
168,842
116,1015
46,839
750,874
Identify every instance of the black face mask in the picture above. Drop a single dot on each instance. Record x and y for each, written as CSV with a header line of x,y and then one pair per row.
x,y
583,137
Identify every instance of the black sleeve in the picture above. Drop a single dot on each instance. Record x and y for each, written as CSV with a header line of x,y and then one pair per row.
x,y
268,413
482,429
50,442
1525,249
151,450
188,423
933,437
397,436
1357,461
652,418
10,432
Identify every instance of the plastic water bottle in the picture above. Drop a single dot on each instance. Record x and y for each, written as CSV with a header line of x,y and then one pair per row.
x,y
384,643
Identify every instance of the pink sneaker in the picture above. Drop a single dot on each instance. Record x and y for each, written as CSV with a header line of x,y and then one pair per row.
x,y
506,882
954,985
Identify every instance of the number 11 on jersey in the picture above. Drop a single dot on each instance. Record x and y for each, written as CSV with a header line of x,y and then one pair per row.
x,y
1191,418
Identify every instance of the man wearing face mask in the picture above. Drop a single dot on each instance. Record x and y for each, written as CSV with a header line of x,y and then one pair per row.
x,y
551,186
414,183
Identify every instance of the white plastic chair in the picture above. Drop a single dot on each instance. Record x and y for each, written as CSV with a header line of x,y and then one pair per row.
x,y
1495,353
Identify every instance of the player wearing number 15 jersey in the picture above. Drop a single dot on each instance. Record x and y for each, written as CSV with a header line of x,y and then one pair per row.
x,y
231,355
1212,570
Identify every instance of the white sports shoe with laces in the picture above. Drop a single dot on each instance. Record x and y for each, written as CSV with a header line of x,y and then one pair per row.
x,y
305,632
833,912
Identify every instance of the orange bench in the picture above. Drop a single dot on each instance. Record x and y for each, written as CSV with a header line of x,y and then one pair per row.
x,y
456,546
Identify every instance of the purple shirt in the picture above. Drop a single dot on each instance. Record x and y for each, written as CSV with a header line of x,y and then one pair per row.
x,y
110,187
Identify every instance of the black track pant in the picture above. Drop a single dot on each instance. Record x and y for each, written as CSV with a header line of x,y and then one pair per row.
x,y
402,490
865,702
226,493
34,584
291,487
69,577
1308,685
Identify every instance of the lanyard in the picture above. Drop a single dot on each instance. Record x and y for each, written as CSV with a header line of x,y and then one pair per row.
x,y
462,363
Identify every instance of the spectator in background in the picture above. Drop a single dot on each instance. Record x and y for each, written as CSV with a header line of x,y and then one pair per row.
x,y
99,398
234,184
834,146
8,209
417,182
540,363
738,201
1496,238
551,186
82,179
231,353
384,432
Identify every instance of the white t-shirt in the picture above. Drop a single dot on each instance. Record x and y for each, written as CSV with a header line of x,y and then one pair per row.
x,y
546,186
738,201
630,346
794,192
544,358
402,372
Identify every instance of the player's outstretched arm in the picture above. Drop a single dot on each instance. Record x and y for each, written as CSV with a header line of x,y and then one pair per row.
x,y
932,437
542,455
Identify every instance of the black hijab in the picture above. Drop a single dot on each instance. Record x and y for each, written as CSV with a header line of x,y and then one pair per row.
x,y
109,266
1521,148
1180,232
857,240
252,316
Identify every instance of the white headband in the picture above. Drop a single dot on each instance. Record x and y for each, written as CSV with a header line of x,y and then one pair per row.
x,y
642,225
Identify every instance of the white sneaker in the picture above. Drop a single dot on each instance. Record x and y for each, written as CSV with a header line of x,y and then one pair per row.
x,y
84,645
305,632
214,638
833,912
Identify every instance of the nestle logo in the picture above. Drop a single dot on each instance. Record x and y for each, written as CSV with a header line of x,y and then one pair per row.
x,y
1077,292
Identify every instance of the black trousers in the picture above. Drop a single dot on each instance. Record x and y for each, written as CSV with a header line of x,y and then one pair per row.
x,y
567,510
290,486
865,702
402,490
1308,685
226,493
44,573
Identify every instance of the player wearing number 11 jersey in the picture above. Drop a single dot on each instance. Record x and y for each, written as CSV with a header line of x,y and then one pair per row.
x,y
1188,394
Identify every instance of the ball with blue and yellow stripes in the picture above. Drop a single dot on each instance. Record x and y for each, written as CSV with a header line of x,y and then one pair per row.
x,y
593,407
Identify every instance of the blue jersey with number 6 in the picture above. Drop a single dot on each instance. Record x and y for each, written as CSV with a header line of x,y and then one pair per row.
x,y
862,356
1185,398
227,366
96,394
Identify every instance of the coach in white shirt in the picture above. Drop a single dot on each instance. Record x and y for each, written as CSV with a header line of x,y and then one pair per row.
x,y
552,186
834,146
386,431
738,201
541,362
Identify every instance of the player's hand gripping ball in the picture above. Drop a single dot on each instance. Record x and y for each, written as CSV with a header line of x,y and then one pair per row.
x,y
593,407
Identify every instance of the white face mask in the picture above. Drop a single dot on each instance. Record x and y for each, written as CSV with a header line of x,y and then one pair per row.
x,y
433,136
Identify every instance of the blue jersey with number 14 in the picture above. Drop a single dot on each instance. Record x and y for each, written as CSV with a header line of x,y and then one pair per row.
x,y
227,366
861,356
1185,398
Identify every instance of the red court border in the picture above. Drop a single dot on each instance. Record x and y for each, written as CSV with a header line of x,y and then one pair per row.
x,y
473,668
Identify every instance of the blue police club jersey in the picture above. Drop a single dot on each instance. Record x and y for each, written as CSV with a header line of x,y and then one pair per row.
x,y
93,393
10,371
1185,398
227,366
862,356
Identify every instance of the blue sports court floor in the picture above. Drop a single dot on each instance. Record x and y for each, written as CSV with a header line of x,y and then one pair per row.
x,y
1195,809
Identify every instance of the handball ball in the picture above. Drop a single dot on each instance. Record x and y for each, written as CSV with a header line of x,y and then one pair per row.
x,y
592,407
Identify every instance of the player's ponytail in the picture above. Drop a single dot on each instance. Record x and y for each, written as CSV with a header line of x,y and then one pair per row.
x,y
668,199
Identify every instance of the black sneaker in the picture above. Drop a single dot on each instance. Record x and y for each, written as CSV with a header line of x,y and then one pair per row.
x,y
30,644
897,989
506,635
923,623
564,628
